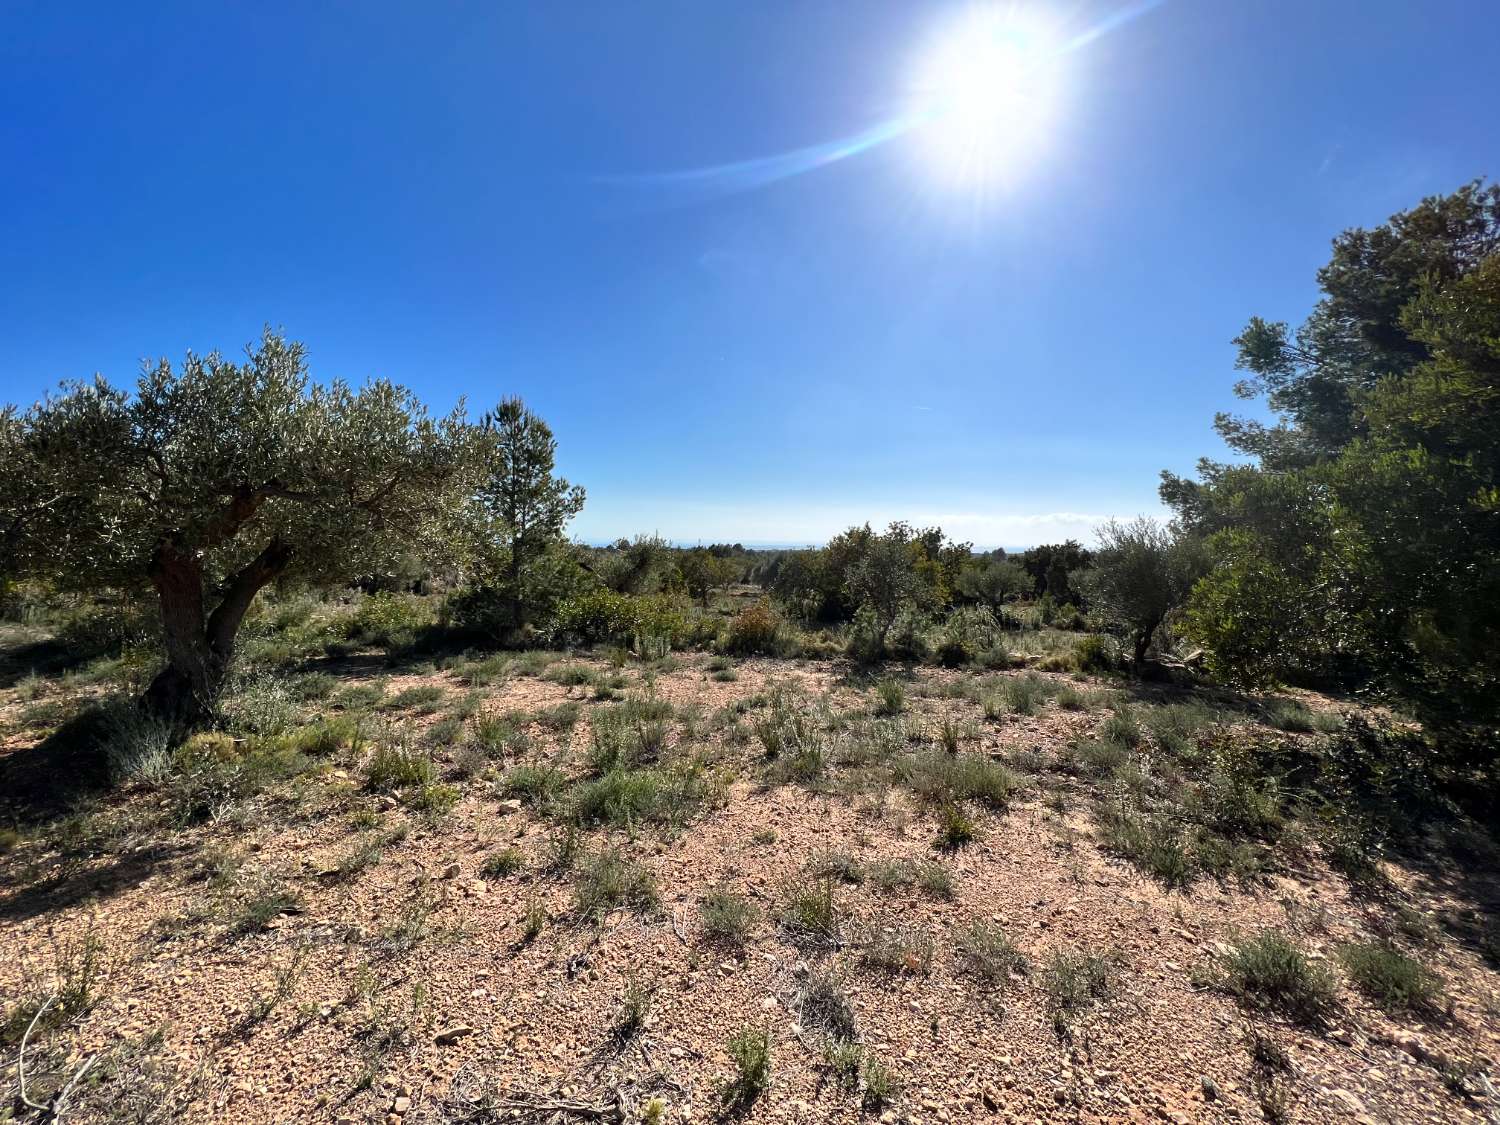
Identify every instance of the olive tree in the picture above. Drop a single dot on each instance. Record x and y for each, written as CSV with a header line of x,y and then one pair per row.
x,y
1142,570
884,581
215,479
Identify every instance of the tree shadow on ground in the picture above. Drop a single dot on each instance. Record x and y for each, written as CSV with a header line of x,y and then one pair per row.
x,y
85,882
41,783
44,657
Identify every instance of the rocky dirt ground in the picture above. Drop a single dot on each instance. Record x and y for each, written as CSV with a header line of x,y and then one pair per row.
x,y
326,949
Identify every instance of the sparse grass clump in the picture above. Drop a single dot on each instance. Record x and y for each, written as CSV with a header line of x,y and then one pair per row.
x,y
727,916
988,951
890,697
955,827
423,699
823,1005
80,970
897,950
397,766
1152,844
635,1007
1268,972
1074,981
809,910
835,863
1296,717
750,1054
927,875
507,861
533,922
264,905
609,879
1394,981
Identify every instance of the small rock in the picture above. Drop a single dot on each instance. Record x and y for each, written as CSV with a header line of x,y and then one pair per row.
x,y
1352,1103
1210,1088
510,806
400,1104
453,870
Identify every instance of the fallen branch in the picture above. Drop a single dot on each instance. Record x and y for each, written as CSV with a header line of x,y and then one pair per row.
x,y
21,1056
547,1103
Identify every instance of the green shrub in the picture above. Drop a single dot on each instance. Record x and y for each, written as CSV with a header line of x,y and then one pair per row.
x,y
421,698
1393,980
570,675
988,951
1267,971
397,766
948,778
327,736
955,827
627,798
1098,758
880,1085
388,620
1123,727
538,785
609,879
750,1053
727,916
890,697
257,703
1095,654
755,631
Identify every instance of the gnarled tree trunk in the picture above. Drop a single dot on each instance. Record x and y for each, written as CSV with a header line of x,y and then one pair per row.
x,y
200,644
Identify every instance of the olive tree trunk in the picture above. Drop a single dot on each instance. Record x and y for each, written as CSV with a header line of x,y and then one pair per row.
x,y
199,642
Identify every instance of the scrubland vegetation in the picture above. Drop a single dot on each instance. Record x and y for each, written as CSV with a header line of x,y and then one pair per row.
x,y
338,784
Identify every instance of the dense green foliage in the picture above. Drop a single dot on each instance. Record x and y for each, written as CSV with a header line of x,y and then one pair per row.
x,y
523,566
1362,545
214,480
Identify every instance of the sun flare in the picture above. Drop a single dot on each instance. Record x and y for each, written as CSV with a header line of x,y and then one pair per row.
x,y
985,95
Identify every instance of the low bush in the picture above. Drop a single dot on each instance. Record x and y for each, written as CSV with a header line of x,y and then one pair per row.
x,y
1074,980
750,1053
1396,982
988,952
398,766
755,631
1268,972
608,879
727,916
388,620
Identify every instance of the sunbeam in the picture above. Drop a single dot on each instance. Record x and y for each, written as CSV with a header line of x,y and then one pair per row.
x,y
986,91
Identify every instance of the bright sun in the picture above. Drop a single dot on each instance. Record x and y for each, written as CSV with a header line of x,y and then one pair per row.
x,y
985,95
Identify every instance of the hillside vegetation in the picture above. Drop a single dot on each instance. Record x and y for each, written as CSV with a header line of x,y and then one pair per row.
x,y
337,784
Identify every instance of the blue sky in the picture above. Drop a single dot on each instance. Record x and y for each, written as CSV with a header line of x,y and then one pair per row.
x,y
482,200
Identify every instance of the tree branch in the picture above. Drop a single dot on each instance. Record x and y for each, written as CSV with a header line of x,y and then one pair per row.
x,y
21,1055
